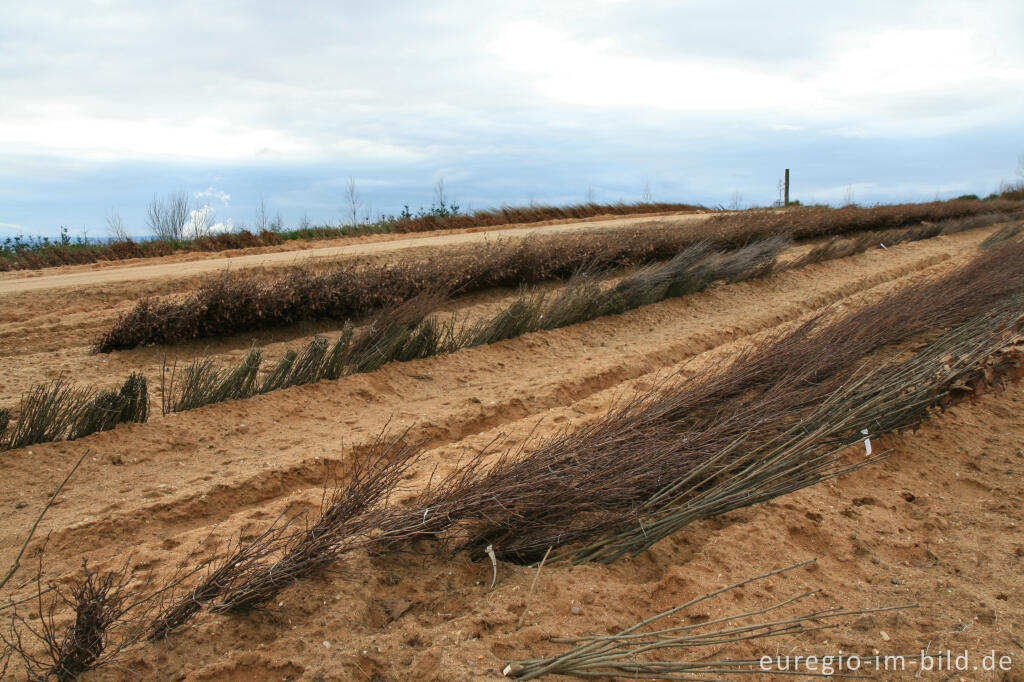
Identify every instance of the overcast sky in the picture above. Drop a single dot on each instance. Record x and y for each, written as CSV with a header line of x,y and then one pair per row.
x,y
105,103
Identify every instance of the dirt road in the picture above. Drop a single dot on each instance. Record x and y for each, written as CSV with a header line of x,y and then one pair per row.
x,y
198,264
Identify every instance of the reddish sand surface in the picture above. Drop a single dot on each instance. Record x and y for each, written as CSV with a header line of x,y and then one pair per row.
x,y
937,524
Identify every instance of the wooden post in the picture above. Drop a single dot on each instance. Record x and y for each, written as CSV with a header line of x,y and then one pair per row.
x,y
785,201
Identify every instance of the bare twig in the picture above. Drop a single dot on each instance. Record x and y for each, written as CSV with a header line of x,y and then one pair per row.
x,y
17,560
626,652
533,586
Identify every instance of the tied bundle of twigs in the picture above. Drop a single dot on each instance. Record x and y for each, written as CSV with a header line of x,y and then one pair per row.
x,y
59,410
767,422
629,652
872,402
346,523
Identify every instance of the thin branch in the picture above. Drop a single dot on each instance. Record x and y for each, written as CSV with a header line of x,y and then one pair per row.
x,y
17,560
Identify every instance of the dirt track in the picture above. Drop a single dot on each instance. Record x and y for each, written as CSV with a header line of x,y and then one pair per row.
x,y
938,524
190,265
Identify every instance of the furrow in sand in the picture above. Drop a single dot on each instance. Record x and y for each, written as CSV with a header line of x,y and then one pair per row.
x,y
159,479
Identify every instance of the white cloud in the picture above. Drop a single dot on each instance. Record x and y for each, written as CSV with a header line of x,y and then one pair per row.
x,y
905,76
203,221
594,75
214,193
12,229
111,138
198,222
538,98
225,226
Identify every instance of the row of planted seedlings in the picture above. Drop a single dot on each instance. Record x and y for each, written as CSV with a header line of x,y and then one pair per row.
x,y
772,420
61,411
233,303
37,254
411,330
768,422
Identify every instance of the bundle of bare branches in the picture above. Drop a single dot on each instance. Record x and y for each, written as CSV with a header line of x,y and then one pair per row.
x,y
872,402
79,627
59,410
768,422
252,572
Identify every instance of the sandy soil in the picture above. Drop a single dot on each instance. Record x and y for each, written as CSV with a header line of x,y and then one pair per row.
x,y
938,523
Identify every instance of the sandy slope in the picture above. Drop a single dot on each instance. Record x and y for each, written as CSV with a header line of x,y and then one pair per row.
x,y
939,523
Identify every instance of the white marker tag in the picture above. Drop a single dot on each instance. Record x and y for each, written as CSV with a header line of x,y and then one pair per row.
x,y
867,443
494,564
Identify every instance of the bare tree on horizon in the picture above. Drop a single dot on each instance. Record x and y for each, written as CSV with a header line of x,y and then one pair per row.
x,y
352,199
